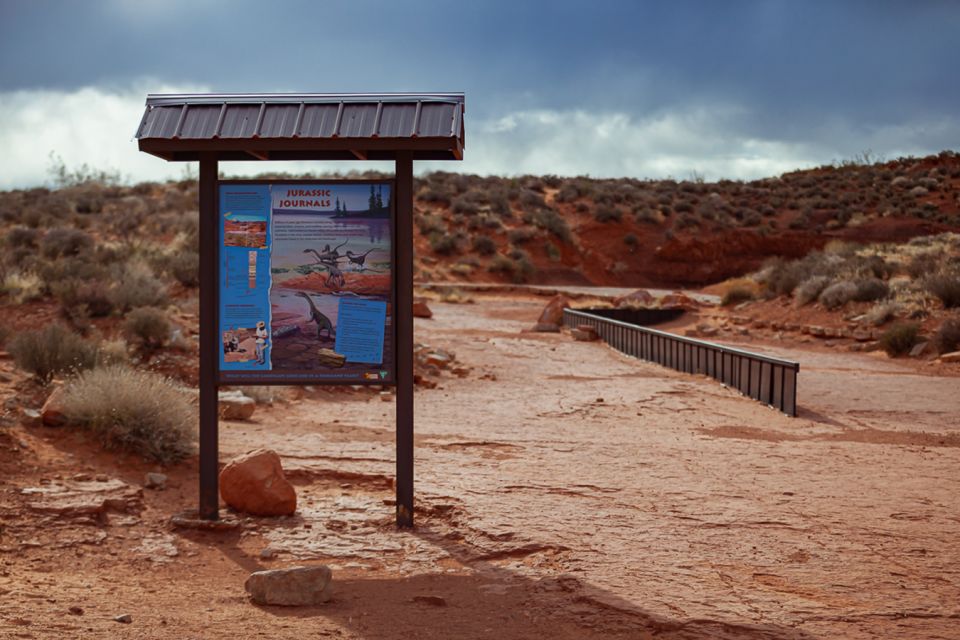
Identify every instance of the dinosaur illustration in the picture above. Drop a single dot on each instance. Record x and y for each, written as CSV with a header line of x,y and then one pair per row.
x,y
328,259
323,322
328,255
335,279
358,258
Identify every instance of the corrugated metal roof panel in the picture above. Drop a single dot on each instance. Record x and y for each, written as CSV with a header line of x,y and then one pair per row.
x,y
319,120
161,122
240,121
358,120
200,121
436,119
279,121
397,120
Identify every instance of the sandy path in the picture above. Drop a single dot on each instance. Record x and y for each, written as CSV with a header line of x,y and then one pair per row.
x,y
648,499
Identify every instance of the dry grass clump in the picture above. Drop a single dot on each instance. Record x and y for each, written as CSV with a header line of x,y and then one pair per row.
x,y
881,313
51,351
899,339
947,337
22,286
740,290
130,410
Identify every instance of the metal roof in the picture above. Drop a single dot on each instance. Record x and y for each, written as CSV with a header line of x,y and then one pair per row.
x,y
308,126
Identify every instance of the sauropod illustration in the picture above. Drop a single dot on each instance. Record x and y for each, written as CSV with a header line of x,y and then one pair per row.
x,y
323,322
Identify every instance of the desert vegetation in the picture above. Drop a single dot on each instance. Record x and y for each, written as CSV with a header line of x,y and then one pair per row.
x,y
96,274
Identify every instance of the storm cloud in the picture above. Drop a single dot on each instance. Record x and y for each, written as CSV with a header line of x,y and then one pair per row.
x,y
643,89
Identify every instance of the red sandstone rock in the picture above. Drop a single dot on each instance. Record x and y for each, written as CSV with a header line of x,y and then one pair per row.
x,y
552,316
420,308
52,413
641,298
677,300
254,483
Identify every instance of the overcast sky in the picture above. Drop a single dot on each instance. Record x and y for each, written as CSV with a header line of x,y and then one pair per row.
x,y
735,89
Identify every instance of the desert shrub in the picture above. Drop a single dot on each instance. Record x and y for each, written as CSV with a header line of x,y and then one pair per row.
x,y
434,195
810,289
500,205
518,267
430,224
147,326
65,242
553,251
444,244
567,193
870,289
466,204
551,221
605,213
184,266
686,220
900,338
50,351
521,235
870,266
22,237
648,216
22,286
880,313
531,200
136,286
838,294
632,241
112,352
736,294
947,337
82,297
923,264
946,286
130,410
484,245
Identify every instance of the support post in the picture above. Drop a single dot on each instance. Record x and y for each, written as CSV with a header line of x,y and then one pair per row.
x,y
404,332
209,462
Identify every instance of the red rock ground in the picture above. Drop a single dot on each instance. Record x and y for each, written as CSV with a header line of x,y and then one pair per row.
x,y
564,491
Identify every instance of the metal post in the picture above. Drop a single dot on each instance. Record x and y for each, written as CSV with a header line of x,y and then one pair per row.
x,y
209,462
404,351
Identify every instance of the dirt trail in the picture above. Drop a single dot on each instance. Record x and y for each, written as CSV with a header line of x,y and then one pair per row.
x,y
579,494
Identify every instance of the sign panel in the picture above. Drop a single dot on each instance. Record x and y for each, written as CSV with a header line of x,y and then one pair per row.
x,y
306,282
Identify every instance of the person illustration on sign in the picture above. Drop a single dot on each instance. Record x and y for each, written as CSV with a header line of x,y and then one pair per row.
x,y
261,335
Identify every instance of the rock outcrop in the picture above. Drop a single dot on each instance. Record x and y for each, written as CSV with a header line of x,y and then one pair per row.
x,y
551,318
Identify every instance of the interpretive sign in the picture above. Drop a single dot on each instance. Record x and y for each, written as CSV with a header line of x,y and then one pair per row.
x,y
306,282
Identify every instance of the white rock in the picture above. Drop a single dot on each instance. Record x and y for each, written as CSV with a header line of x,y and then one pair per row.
x,y
295,587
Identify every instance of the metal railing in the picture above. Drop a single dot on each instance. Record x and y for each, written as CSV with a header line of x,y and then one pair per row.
x,y
770,380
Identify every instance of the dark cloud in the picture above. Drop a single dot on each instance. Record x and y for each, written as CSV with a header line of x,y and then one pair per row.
x,y
825,75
